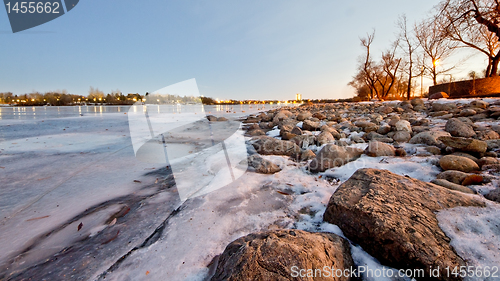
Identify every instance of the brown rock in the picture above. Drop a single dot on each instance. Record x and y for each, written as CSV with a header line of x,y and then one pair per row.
x,y
310,125
307,155
400,152
488,135
262,165
331,156
384,129
271,256
256,132
297,131
439,95
376,148
466,155
487,161
433,150
393,218
270,146
324,138
331,130
453,176
465,144
304,115
287,136
319,115
473,179
458,163
452,186
303,141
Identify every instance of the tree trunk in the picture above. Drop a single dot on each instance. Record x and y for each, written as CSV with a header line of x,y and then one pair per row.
x,y
408,92
494,65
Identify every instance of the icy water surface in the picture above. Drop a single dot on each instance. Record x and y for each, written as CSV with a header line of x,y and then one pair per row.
x,y
75,203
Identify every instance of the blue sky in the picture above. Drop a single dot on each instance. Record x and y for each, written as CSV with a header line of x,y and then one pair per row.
x,y
235,49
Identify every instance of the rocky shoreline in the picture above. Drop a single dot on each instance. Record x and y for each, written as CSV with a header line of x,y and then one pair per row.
x,y
391,215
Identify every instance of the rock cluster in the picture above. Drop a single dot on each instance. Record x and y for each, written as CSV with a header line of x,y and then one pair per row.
x,y
392,217
324,135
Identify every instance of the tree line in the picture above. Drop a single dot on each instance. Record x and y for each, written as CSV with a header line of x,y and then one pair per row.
x,y
419,50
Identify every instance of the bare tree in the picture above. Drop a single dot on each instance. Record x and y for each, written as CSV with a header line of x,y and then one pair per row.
x,y
389,66
435,45
474,24
409,45
369,68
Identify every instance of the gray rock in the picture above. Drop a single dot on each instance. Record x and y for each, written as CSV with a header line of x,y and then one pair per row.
x,y
467,112
458,128
429,138
479,104
493,144
401,136
384,129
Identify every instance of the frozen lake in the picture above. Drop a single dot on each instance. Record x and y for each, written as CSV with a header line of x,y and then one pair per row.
x,y
75,201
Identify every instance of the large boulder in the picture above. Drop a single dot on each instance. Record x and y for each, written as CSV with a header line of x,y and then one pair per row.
x,y
332,155
458,163
457,128
465,144
393,218
270,146
376,148
429,138
279,255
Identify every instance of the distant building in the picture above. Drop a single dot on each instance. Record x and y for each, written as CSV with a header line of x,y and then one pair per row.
x,y
298,97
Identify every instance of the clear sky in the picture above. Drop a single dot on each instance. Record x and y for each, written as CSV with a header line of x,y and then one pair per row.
x,y
235,49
